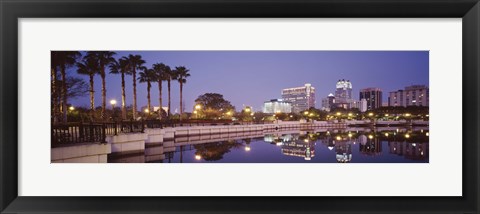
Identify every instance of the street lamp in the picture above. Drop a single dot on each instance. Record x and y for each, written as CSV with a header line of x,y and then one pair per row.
x,y
71,108
113,103
198,107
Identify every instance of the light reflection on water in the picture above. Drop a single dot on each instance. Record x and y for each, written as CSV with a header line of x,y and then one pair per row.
x,y
387,145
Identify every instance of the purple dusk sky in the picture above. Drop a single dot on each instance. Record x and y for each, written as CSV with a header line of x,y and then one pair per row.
x,y
252,77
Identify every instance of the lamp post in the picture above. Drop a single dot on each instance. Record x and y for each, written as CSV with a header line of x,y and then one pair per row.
x,y
198,107
147,111
113,103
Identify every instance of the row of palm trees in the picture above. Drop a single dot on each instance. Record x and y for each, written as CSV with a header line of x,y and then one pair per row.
x,y
96,63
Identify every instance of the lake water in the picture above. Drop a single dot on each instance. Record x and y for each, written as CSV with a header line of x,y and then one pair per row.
x,y
383,145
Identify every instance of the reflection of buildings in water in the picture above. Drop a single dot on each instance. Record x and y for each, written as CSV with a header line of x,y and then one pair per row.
x,y
370,147
343,150
279,139
362,139
342,146
299,148
412,151
329,143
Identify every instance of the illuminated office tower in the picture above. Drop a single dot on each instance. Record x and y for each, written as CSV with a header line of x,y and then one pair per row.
x,y
373,96
302,98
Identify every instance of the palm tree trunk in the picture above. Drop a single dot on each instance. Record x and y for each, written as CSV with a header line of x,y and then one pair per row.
x,y
134,93
92,97
160,99
64,94
148,97
54,96
168,81
181,103
104,95
124,108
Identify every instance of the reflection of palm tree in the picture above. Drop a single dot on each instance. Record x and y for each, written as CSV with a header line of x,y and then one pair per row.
x,y
147,75
181,75
135,62
104,59
121,67
65,59
89,67
160,72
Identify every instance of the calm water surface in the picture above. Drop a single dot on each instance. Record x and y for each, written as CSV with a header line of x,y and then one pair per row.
x,y
390,145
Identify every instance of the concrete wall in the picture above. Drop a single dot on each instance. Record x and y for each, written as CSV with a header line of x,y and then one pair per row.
x,y
128,142
85,153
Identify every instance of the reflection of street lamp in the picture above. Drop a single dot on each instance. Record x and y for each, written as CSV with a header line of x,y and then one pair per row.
x,y
247,148
198,157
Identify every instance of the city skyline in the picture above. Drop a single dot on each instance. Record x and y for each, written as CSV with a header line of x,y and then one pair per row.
x,y
251,77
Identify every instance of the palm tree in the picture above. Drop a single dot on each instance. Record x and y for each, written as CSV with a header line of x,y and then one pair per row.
x,y
65,59
170,75
54,74
160,74
135,62
104,59
181,75
122,67
88,66
147,75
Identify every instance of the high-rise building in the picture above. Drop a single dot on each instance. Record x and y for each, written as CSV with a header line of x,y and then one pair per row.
x,y
361,105
373,96
277,106
343,94
302,98
328,102
415,95
344,89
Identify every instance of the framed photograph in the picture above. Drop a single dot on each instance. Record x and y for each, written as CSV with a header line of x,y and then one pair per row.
x,y
227,106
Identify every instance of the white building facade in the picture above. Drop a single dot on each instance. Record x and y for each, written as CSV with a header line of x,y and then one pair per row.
x,y
277,106
301,98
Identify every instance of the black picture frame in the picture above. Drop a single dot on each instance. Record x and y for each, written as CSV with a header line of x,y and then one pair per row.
x,y
11,11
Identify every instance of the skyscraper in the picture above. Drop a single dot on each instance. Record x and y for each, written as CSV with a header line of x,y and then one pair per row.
x,y
302,98
343,94
373,96
344,89
328,102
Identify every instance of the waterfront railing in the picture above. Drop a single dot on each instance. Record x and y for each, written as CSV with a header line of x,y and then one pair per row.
x,y
71,133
